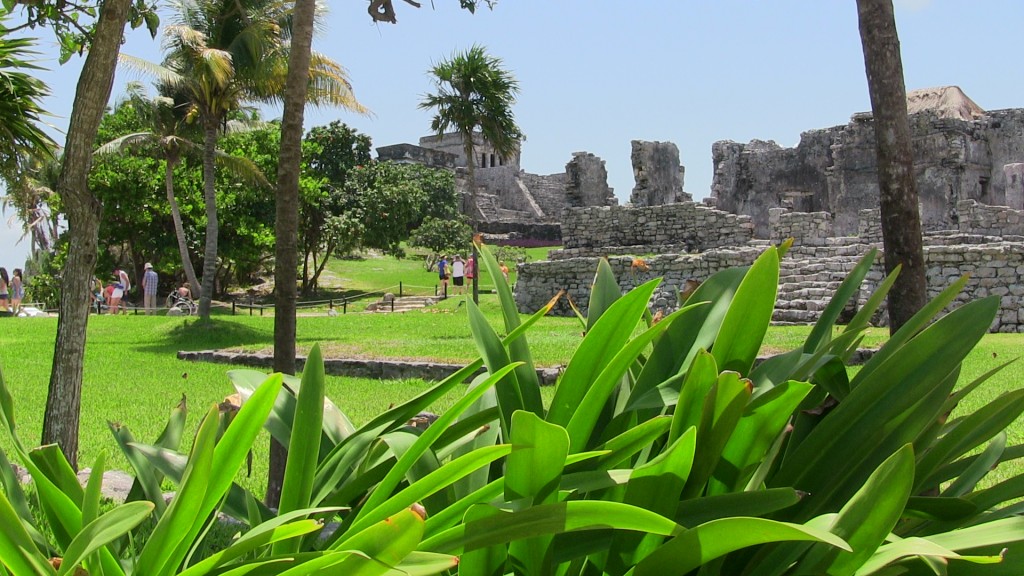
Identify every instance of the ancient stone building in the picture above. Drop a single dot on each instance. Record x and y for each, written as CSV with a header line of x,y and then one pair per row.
x,y
960,152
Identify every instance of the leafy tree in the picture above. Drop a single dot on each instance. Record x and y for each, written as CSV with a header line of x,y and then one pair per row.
x,y
390,200
162,130
223,56
474,92
441,236
331,152
901,220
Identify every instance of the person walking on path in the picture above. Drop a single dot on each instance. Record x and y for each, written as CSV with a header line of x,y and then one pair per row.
x,y
121,287
442,274
17,291
5,286
458,273
150,281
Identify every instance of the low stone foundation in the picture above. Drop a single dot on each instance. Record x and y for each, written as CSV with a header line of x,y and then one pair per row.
x,y
375,369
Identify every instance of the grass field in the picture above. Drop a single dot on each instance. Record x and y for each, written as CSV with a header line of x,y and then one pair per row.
x,y
132,374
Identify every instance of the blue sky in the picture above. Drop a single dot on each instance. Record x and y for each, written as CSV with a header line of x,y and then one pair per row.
x,y
596,74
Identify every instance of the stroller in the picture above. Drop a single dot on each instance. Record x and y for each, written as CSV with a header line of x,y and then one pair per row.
x,y
183,304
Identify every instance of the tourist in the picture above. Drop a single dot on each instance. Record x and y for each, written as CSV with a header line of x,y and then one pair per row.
x,y
458,273
184,292
150,280
442,274
504,270
96,294
121,287
17,291
470,269
5,282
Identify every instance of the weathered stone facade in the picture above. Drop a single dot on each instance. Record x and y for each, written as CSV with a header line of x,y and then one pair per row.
x,y
658,174
958,156
671,228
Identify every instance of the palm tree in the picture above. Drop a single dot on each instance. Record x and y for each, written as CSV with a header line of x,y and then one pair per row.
x,y
474,92
22,140
170,138
30,199
224,53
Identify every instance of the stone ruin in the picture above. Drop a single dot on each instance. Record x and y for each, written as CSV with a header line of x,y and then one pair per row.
x,y
509,199
824,195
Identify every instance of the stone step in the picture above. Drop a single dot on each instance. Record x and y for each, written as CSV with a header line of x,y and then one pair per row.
x,y
402,304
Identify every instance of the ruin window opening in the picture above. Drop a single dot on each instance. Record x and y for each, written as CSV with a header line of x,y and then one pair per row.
x,y
983,183
492,161
483,160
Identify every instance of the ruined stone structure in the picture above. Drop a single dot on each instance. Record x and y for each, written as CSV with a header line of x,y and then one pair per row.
x,y
509,199
961,153
657,173
988,244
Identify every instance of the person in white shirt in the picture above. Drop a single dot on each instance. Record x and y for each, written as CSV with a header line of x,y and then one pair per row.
x,y
459,274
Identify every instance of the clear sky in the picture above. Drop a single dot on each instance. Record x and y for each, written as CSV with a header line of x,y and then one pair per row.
x,y
596,74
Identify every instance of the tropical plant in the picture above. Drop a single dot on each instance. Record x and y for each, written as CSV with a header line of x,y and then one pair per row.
x,y
223,55
23,141
107,543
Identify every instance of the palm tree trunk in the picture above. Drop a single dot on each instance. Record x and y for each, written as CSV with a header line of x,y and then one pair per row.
x,y
475,211
64,395
898,200
210,127
286,227
179,228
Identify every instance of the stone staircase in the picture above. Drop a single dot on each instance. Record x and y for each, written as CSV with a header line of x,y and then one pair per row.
x,y
807,283
392,303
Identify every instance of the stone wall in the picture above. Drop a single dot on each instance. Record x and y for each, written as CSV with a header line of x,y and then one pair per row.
x,y
835,170
976,218
586,182
806,228
683,227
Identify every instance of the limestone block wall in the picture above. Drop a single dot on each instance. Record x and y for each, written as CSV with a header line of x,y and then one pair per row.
x,y
869,225
594,231
809,276
976,218
805,228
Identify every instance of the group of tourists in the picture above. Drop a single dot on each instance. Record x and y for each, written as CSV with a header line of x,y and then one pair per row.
x,y
12,291
459,272
111,298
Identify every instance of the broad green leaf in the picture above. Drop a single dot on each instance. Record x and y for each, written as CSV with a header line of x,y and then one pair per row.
x,y
489,561
93,489
146,476
604,291
17,550
548,519
394,477
304,445
508,392
185,510
425,564
697,511
764,420
51,461
978,468
283,527
626,445
391,539
977,428
749,315
444,476
723,408
699,381
602,343
867,519
534,467
698,546
102,531
587,415
915,547
518,348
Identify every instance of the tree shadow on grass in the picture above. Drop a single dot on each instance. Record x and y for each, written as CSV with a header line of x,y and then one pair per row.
x,y
214,334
